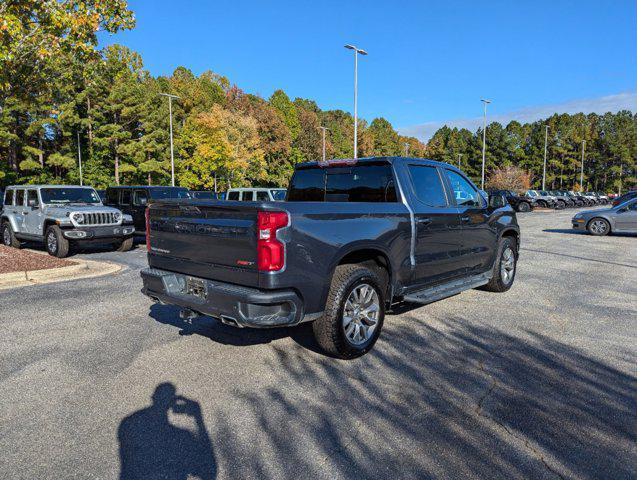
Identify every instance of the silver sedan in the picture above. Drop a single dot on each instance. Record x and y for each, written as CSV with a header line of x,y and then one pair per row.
x,y
619,219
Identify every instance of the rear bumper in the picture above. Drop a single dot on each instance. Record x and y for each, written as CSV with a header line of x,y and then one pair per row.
x,y
232,304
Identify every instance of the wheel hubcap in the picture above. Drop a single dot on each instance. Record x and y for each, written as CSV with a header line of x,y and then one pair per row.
x,y
6,236
51,242
598,226
360,315
507,265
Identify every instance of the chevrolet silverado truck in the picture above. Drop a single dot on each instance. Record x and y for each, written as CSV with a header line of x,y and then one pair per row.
x,y
60,216
351,238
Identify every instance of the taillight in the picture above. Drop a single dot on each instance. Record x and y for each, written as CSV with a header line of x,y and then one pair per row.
x,y
270,251
147,215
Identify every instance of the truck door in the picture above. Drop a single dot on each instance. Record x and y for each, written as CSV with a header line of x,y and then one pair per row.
x,y
140,201
18,209
437,225
479,239
32,219
627,219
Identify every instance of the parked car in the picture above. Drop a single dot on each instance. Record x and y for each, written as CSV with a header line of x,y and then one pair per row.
x,y
204,195
352,236
581,200
256,194
542,199
520,203
592,197
60,217
626,196
132,200
603,197
621,218
562,198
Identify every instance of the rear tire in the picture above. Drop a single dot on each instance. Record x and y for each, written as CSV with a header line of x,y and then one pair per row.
x,y
505,267
359,292
524,207
598,227
125,245
8,237
561,204
55,243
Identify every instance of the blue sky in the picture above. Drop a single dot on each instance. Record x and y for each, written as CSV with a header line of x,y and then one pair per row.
x,y
429,63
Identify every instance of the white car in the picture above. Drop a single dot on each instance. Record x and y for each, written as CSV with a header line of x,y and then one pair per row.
x,y
264,194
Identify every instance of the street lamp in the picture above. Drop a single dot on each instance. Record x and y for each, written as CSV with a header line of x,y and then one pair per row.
x,y
356,52
79,156
459,155
324,129
172,155
484,138
546,137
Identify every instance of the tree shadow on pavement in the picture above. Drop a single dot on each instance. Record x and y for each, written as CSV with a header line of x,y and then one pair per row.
x,y
458,400
151,446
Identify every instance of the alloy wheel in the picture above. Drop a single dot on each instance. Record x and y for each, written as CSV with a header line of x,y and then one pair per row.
x,y
51,242
507,265
599,226
360,314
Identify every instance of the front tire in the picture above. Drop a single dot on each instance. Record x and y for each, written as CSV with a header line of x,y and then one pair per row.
x,y
55,243
354,312
598,227
505,267
560,204
125,245
8,236
524,207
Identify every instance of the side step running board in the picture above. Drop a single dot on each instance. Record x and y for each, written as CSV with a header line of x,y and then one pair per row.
x,y
438,292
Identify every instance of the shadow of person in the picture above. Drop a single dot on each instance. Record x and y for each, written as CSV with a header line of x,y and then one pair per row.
x,y
151,447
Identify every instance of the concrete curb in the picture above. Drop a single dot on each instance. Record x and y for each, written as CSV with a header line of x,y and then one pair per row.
x,y
80,269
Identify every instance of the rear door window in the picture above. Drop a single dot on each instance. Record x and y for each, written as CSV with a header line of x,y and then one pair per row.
x,y
247,196
233,196
428,185
364,183
262,196
125,197
19,197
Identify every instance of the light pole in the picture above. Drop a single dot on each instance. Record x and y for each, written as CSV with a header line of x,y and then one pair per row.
x,y
79,156
546,137
581,178
406,149
324,129
484,138
172,155
356,52
459,155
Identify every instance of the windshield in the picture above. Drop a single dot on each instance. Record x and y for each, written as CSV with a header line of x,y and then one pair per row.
x,y
278,195
531,193
70,195
168,192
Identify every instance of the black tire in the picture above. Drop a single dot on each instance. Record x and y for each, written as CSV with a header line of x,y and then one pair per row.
x,y
8,237
498,283
561,204
125,245
598,226
329,330
541,204
55,243
524,207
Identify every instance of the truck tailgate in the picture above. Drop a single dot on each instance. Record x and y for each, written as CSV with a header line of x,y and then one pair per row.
x,y
212,240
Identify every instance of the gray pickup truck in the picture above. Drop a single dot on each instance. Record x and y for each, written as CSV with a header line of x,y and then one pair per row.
x,y
352,237
60,216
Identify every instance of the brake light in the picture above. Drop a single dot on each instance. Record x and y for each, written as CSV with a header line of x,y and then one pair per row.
x,y
340,162
270,251
147,215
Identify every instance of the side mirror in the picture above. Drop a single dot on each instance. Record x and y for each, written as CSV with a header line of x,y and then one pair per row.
x,y
497,201
32,203
622,210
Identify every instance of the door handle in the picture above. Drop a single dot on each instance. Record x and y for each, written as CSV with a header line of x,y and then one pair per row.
x,y
424,221
465,219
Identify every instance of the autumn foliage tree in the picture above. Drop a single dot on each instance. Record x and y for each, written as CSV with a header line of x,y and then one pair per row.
x,y
509,178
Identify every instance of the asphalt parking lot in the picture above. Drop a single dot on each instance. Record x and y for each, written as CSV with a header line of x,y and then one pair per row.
x,y
540,382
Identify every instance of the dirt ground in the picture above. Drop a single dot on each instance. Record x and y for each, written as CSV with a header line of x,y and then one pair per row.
x,y
16,260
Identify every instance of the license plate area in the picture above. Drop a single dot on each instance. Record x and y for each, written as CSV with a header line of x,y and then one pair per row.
x,y
195,287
